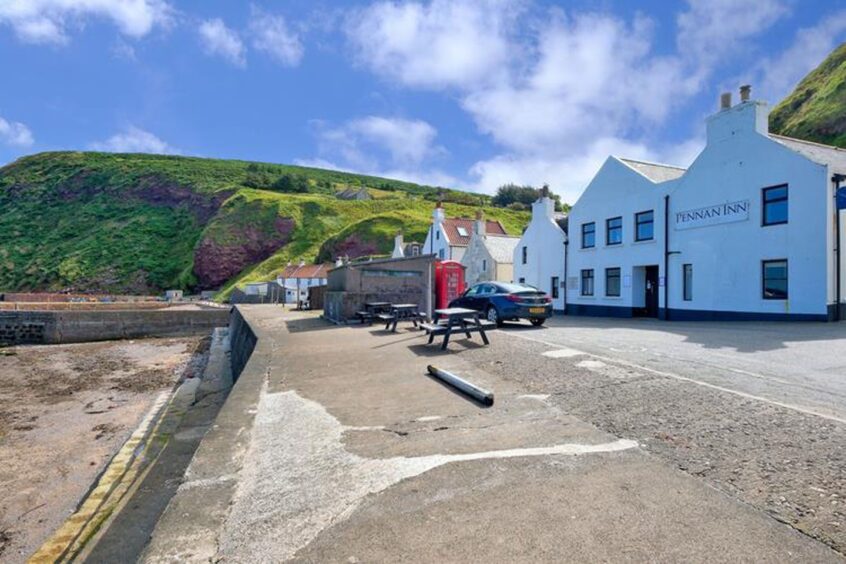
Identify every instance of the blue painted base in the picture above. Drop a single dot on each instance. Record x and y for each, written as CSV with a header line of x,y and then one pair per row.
x,y
703,315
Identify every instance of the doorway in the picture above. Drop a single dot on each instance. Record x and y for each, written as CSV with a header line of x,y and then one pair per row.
x,y
651,292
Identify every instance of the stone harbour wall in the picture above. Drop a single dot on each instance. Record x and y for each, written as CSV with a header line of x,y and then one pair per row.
x,y
56,327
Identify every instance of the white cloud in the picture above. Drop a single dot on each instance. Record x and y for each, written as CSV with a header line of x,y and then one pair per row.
x,y
46,21
778,75
360,142
134,140
219,40
15,133
443,43
710,29
270,34
381,146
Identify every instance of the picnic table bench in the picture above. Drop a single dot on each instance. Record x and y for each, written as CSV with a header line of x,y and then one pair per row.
x,y
401,312
457,320
372,310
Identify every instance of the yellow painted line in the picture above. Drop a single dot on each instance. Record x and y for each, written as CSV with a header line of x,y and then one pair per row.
x,y
57,546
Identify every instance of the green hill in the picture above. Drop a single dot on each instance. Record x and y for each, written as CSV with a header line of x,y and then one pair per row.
x,y
816,109
133,223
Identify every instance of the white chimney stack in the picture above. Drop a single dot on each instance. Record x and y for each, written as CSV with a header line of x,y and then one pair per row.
x,y
399,252
725,100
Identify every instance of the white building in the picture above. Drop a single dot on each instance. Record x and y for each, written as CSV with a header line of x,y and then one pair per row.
x,y
747,232
488,256
539,255
297,279
448,238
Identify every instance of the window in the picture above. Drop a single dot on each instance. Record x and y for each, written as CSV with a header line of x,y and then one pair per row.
x,y
488,289
522,281
415,251
614,231
588,235
554,286
525,254
687,282
441,254
612,282
438,234
775,279
473,291
462,231
484,265
587,282
644,226
775,205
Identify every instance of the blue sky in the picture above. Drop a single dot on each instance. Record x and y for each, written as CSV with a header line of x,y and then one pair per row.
x,y
463,93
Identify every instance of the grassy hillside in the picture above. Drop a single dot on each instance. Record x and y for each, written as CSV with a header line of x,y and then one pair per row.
x,y
143,223
816,109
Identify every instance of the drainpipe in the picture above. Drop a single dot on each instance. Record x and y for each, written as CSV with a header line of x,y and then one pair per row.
x,y
566,248
666,258
837,179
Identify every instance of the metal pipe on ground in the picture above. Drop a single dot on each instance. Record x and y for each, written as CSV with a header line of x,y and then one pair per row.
x,y
482,396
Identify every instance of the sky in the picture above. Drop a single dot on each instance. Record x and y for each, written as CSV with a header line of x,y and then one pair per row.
x,y
470,94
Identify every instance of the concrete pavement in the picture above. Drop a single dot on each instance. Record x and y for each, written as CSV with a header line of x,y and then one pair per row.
x,y
335,445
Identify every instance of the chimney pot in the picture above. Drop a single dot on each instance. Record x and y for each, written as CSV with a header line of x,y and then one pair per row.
x,y
478,215
745,92
725,100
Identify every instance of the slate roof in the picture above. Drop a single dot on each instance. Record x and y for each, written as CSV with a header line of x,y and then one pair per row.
x,y
501,248
451,225
654,171
834,157
306,270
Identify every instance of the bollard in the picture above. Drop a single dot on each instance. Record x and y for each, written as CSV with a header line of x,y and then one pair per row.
x,y
482,396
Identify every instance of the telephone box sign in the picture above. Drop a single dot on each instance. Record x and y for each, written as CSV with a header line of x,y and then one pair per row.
x,y
713,215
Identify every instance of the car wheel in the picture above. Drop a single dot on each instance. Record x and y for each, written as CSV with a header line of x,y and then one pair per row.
x,y
492,315
537,322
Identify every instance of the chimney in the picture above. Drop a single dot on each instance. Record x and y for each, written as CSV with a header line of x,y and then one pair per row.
x,y
480,223
339,262
438,215
544,191
725,100
302,263
398,246
745,92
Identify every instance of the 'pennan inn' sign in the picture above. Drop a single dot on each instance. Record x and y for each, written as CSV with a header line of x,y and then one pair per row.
x,y
713,215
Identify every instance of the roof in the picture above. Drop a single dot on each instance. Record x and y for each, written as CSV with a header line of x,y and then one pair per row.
x,y
834,157
456,239
501,248
655,172
306,271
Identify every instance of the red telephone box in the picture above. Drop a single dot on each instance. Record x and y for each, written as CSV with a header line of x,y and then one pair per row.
x,y
449,282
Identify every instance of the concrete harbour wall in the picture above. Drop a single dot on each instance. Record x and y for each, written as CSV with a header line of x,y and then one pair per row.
x,y
56,327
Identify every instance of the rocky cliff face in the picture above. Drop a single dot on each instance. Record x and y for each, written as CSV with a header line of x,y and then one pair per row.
x,y
216,262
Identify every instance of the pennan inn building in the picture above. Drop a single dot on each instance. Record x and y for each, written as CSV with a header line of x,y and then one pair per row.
x,y
751,230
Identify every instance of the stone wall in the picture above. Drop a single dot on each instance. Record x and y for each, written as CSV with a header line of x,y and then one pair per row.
x,y
406,280
56,327
243,342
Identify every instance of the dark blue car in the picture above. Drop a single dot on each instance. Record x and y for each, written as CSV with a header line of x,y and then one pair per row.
x,y
501,301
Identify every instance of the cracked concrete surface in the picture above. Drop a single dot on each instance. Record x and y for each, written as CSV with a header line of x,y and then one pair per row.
x,y
343,450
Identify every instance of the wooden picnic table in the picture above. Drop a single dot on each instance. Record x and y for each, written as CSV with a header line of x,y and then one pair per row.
x,y
457,320
371,310
401,312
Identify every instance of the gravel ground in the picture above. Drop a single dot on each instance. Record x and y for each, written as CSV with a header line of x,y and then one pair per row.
x,y
64,412
785,463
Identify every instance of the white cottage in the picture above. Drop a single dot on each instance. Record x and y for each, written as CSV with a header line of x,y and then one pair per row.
x,y
448,238
297,279
489,256
539,255
749,231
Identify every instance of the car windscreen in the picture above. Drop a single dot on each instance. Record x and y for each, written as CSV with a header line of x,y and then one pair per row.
x,y
517,289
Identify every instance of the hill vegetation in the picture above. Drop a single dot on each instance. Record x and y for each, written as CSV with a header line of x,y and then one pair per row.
x,y
133,223
816,109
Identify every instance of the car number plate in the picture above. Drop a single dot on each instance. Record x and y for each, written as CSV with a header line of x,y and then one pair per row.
x,y
537,310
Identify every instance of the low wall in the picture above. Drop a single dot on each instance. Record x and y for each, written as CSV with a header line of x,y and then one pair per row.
x,y
56,327
81,306
242,342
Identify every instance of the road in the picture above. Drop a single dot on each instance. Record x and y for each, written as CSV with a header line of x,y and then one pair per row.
x,y
798,365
